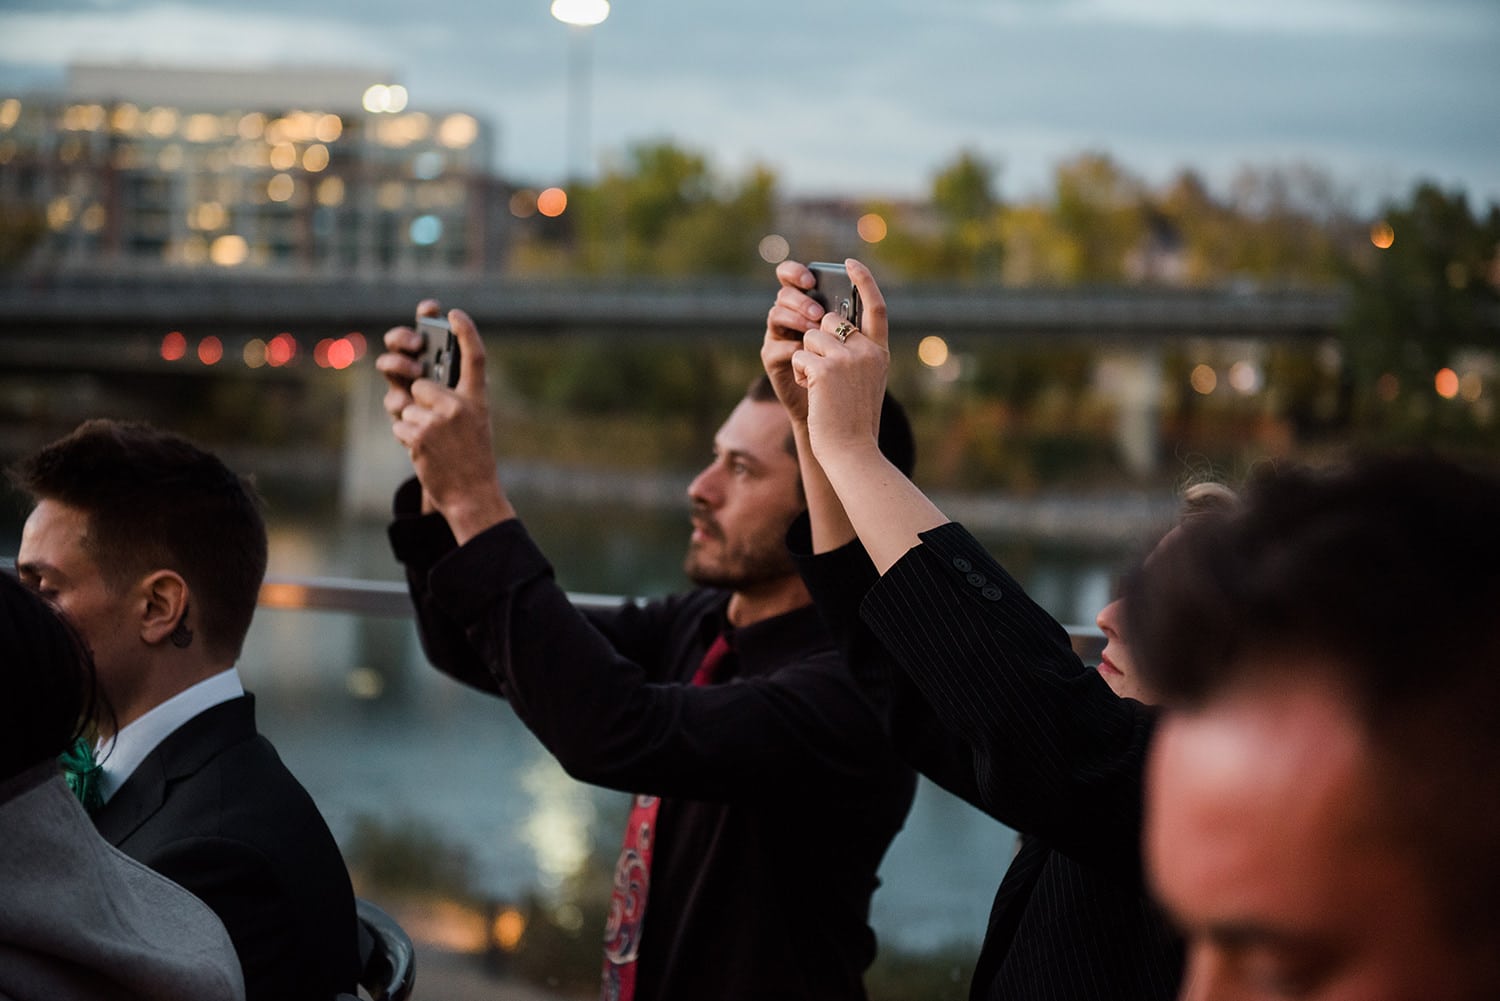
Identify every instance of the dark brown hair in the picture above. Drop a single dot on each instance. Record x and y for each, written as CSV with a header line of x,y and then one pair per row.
x,y
156,501
47,685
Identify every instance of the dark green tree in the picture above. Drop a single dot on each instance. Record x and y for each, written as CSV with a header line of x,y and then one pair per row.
x,y
1424,293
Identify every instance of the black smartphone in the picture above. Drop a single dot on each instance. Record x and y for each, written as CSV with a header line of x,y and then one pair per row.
x,y
834,291
440,354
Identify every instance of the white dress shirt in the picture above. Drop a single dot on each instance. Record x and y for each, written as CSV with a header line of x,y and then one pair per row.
x,y
119,756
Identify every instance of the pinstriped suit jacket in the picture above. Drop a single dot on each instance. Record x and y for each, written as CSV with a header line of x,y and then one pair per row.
x,y
987,699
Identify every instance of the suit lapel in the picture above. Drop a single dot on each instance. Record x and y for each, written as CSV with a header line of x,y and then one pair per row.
x,y
182,753
134,802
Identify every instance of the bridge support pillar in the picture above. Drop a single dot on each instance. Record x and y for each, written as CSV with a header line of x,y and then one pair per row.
x,y
1134,379
374,462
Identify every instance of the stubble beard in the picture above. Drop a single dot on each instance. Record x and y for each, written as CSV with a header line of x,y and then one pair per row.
x,y
741,567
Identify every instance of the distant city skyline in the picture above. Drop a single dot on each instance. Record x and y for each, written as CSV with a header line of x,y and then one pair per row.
x,y
874,98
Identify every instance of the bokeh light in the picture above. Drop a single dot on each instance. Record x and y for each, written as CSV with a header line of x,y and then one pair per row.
x,y
174,346
228,250
1446,383
1203,379
281,350
871,228
552,203
254,353
210,350
1245,377
933,351
1382,235
774,248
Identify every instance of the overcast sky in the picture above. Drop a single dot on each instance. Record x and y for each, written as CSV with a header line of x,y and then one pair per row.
x,y
872,97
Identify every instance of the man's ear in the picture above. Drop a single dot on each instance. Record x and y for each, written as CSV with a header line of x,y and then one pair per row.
x,y
166,607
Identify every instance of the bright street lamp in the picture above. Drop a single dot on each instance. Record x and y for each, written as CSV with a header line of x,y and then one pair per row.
x,y
583,13
579,16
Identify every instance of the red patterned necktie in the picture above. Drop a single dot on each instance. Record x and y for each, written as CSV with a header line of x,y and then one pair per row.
x,y
627,902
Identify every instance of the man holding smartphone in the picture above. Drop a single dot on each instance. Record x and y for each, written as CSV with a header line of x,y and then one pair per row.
x,y
767,791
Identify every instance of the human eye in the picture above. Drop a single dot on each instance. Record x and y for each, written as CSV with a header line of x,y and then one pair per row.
x,y
1288,977
38,583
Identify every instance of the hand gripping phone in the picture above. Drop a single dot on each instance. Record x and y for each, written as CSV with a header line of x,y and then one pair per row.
x,y
834,291
440,354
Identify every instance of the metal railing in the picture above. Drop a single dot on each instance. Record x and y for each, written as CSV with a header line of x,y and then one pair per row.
x,y
389,598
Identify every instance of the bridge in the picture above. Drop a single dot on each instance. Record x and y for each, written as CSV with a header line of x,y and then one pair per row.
x,y
116,321
53,326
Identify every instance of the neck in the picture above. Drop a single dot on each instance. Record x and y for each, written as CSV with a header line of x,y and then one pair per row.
x,y
165,679
768,600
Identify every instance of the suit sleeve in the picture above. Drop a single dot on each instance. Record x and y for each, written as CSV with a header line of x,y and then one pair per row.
x,y
419,541
596,692
245,890
838,581
1055,752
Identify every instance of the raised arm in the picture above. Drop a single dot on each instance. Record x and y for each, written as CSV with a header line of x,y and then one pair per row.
x,y
832,381
446,431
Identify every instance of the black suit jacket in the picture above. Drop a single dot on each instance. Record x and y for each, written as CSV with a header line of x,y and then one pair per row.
x,y
988,700
214,809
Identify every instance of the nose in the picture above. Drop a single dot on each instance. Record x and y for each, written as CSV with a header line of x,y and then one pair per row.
x,y
704,489
1108,619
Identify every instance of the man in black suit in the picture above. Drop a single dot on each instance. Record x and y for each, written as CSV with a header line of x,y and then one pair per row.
x,y
156,550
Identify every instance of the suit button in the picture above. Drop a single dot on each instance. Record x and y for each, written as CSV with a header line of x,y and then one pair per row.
x,y
977,579
962,565
991,592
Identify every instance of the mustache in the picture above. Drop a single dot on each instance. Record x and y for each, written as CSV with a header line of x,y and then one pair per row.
x,y
705,521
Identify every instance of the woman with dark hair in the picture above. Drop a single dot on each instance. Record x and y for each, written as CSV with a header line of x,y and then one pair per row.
x,y
80,920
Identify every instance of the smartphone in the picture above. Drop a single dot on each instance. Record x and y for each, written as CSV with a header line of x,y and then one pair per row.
x,y
834,291
440,354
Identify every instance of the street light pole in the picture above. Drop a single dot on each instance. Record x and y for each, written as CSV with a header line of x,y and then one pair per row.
x,y
579,16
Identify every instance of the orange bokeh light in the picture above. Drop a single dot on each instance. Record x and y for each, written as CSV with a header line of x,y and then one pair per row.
x,y
1446,383
210,350
173,346
320,352
552,203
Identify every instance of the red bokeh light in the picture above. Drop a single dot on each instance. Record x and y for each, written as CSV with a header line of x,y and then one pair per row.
x,y
174,346
357,340
341,353
281,350
210,350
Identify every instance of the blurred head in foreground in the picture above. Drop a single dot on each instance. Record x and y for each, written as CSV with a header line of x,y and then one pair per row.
x,y
1323,798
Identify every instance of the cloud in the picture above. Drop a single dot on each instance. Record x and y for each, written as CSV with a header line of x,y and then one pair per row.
x,y
178,34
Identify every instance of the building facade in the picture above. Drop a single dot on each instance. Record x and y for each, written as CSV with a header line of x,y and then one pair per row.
x,y
289,171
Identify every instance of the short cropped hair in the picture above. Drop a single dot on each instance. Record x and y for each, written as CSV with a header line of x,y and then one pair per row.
x,y
896,440
1383,575
156,501
47,685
